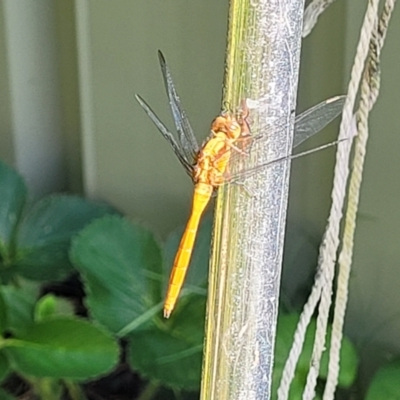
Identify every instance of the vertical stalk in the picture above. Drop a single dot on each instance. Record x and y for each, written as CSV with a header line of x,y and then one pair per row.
x,y
35,94
262,65
47,388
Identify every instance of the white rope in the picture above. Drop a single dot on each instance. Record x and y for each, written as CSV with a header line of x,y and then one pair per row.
x,y
311,14
299,337
310,18
323,283
338,196
368,96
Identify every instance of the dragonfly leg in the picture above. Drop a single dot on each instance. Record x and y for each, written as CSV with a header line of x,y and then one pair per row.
x,y
247,189
242,185
223,179
230,144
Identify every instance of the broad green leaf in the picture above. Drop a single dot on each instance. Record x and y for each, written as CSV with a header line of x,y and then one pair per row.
x,y
3,314
286,328
45,234
6,396
187,321
63,348
4,366
7,274
196,279
20,305
13,197
164,393
386,383
172,355
121,268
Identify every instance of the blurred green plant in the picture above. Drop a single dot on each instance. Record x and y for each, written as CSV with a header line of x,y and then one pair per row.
x,y
386,383
348,358
124,270
41,340
125,277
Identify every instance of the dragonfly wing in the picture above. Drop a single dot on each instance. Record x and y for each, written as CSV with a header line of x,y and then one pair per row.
x,y
316,118
185,131
251,171
168,135
306,125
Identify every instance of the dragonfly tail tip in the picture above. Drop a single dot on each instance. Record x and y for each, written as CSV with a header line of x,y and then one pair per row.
x,y
167,313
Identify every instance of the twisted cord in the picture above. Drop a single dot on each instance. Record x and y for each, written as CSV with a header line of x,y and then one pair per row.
x,y
324,278
368,95
299,336
311,14
338,196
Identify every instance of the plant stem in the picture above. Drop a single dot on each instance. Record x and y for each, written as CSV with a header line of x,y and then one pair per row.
x,y
149,391
46,388
74,390
262,65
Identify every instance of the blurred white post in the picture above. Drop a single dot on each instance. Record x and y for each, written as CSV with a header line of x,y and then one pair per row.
x,y
34,82
262,65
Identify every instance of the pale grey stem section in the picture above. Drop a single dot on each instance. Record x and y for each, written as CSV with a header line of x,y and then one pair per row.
x,y
30,29
250,224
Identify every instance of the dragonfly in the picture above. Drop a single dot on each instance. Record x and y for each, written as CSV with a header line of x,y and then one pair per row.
x,y
207,165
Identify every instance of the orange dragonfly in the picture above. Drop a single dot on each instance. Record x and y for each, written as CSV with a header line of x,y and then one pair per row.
x,y
207,164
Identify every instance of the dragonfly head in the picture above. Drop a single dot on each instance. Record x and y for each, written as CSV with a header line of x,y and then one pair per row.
x,y
226,122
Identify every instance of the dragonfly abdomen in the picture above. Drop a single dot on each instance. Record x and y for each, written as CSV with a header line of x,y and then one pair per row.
x,y
201,197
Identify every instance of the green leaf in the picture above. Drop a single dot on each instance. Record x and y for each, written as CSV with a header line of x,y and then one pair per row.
x,y
45,307
121,267
20,305
286,328
386,383
63,348
173,354
13,197
6,396
3,314
50,306
45,233
4,366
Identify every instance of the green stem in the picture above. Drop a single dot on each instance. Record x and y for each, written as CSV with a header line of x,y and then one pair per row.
x,y
261,72
178,394
74,390
149,391
46,388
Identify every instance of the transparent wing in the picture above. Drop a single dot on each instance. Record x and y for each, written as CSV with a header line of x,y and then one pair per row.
x,y
168,135
306,125
185,131
251,171
316,118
